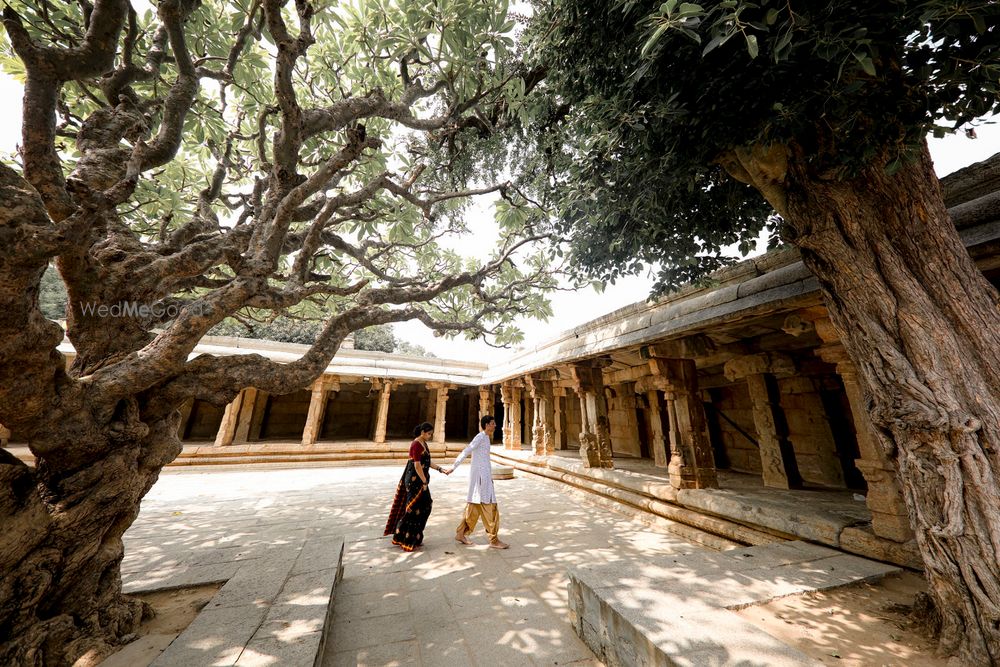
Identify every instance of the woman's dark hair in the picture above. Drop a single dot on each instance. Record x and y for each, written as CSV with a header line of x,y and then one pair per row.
x,y
423,428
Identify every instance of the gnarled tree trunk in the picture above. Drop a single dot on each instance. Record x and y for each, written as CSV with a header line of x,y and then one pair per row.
x,y
922,324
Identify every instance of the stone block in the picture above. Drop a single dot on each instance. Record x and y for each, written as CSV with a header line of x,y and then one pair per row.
x,y
861,540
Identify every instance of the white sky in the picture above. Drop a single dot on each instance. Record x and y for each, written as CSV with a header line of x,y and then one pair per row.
x,y
570,308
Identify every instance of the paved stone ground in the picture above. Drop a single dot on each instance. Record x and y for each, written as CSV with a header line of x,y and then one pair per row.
x,y
443,605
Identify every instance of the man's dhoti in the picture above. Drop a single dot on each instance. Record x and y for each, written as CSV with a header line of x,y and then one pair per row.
x,y
473,511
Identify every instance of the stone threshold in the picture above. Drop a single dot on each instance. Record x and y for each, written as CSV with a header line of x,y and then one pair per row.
x,y
744,516
275,608
676,610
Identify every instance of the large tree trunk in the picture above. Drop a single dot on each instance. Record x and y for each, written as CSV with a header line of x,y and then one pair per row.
x,y
61,595
62,522
923,326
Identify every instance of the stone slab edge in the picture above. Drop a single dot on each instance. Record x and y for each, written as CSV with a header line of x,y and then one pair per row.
x,y
178,644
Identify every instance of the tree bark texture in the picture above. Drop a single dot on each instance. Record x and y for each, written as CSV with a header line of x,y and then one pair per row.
x,y
922,324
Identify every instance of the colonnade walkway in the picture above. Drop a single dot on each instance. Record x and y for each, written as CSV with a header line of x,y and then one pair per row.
x,y
444,604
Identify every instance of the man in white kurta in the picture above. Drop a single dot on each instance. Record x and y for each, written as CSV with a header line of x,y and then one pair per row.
x,y
481,501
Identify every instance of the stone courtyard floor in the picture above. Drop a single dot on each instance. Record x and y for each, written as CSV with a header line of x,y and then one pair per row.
x,y
445,604
269,530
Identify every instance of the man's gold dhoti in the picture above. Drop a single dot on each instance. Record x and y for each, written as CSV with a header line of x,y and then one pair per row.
x,y
473,511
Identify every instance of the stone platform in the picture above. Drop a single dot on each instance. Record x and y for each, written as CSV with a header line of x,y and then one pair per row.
x,y
742,511
675,610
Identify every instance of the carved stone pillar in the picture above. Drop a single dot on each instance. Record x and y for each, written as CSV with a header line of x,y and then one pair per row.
x,y
543,440
692,461
777,458
885,498
5,433
382,409
440,414
430,405
227,428
245,417
257,420
321,389
530,416
595,435
515,426
485,401
557,417
506,392
657,438
185,410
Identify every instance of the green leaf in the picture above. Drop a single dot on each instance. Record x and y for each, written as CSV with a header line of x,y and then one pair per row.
x,y
752,45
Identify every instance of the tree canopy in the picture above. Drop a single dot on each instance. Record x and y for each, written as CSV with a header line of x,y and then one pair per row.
x,y
655,100
210,159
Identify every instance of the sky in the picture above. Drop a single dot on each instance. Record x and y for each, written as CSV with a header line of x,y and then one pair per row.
x,y
570,309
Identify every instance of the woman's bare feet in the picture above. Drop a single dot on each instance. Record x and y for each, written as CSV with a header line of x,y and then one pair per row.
x,y
462,539
497,544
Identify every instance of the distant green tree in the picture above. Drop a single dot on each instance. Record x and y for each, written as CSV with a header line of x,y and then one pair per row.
x,y
52,295
668,129
376,339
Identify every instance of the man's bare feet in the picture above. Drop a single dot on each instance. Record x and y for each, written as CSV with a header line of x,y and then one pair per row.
x,y
462,539
497,544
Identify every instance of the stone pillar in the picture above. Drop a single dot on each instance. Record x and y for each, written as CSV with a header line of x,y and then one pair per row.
x,y
440,413
543,440
515,426
658,442
317,410
185,410
885,498
777,458
227,428
595,434
5,432
557,417
257,421
382,410
485,401
505,397
530,417
692,461
245,417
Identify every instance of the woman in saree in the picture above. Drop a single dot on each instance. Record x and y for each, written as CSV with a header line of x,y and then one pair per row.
x,y
412,505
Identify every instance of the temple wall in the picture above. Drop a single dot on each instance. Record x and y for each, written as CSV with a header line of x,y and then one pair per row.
x,y
624,425
349,413
285,416
733,401
204,421
407,409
